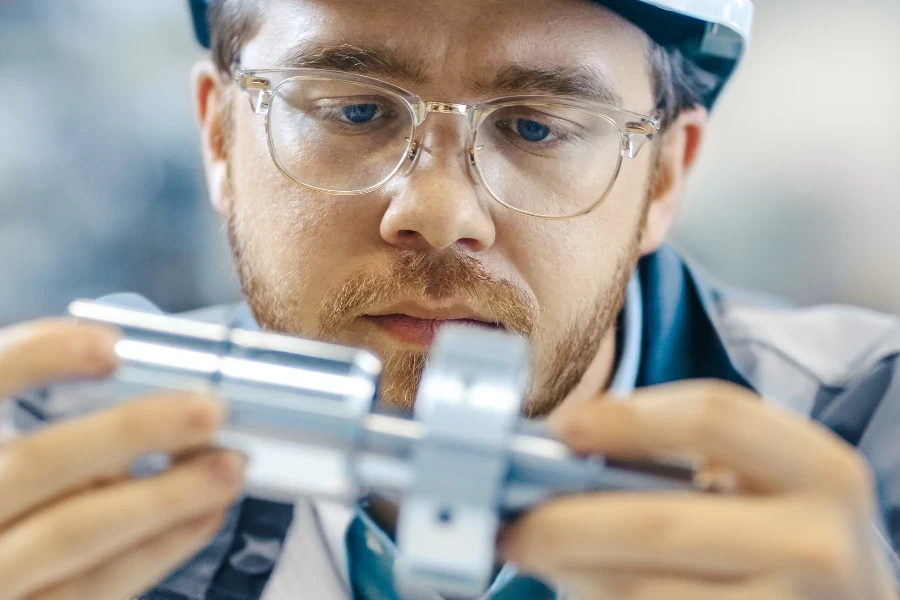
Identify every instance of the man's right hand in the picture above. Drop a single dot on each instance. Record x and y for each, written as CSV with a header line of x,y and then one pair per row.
x,y
73,524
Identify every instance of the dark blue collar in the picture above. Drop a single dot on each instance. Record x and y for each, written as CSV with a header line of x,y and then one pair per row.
x,y
680,336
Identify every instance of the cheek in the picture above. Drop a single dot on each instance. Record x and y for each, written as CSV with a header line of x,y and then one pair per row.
x,y
297,243
277,220
568,264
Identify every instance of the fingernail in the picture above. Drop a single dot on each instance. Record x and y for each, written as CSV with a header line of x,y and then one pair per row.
x,y
98,348
228,468
205,413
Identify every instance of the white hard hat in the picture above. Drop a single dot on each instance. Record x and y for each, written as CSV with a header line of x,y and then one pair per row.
x,y
711,33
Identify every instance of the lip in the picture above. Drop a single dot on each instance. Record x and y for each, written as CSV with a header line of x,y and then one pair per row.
x,y
418,325
451,311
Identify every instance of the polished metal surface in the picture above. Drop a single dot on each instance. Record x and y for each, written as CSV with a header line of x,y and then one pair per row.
x,y
468,403
302,411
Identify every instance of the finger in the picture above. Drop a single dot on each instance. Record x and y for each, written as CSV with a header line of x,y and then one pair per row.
x,y
141,567
80,533
770,448
37,353
70,455
690,535
614,585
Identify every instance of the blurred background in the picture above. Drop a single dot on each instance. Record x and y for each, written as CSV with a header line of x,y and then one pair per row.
x,y
101,187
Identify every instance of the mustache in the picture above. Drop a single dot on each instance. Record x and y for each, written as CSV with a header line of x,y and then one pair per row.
x,y
417,275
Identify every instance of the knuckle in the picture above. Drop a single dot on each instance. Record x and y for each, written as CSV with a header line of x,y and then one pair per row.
x,y
152,419
826,553
161,497
25,460
192,483
134,424
199,483
175,417
197,415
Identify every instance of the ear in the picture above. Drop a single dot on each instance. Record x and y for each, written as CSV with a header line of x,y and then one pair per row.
x,y
680,147
209,103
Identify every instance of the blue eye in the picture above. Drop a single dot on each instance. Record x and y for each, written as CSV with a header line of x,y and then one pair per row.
x,y
532,130
360,113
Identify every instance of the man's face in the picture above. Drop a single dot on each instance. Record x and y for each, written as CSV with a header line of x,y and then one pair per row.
x,y
382,270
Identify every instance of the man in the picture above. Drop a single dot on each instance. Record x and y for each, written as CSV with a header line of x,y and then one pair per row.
x,y
508,163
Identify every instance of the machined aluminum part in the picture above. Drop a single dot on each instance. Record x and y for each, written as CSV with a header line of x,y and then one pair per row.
x,y
303,412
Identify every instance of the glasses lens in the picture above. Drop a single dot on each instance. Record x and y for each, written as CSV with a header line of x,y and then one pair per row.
x,y
548,160
337,135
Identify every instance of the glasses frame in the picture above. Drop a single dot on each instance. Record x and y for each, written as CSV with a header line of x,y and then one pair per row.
x,y
261,86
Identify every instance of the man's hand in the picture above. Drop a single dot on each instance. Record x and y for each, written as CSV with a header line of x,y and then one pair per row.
x,y
73,525
800,526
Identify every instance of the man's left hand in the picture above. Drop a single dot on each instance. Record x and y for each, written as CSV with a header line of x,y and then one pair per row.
x,y
798,528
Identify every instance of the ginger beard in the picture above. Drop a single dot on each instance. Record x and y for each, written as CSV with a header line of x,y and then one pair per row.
x,y
418,275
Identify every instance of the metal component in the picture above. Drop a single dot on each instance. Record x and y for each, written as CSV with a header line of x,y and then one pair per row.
x,y
469,401
301,411
447,108
641,128
254,83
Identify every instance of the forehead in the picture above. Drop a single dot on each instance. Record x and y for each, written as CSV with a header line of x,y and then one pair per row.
x,y
459,42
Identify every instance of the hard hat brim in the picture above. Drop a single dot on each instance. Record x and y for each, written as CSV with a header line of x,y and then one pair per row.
x,y
713,34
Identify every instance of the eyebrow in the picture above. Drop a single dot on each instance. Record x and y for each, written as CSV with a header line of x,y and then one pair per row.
x,y
376,61
573,81
384,61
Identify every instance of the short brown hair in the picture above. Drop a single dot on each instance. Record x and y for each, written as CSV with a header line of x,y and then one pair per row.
x,y
679,84
232,23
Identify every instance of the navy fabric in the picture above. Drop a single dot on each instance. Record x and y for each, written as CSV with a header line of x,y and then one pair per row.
x,y
253,553
198,18
680,341
858,413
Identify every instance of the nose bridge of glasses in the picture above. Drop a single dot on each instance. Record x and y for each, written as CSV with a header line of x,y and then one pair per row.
x,y
418,143
447,108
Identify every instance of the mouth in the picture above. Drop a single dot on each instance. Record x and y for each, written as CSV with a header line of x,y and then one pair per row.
x,y
418,326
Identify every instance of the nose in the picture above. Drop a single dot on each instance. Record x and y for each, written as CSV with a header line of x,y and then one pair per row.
x,y
435,204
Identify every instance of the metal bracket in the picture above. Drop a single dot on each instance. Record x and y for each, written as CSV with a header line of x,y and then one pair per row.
x,y
468,403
